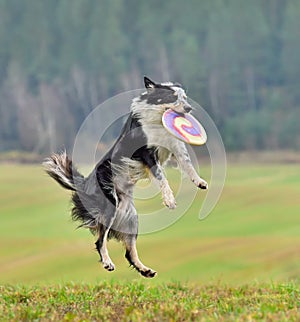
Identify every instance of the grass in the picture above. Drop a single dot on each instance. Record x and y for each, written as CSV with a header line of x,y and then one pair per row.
x,y
138,301
240,263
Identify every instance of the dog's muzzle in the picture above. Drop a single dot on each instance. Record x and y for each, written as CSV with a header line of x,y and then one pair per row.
x,y
187,107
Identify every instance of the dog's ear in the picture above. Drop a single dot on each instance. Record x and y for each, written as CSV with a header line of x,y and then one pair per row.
x,y
148,82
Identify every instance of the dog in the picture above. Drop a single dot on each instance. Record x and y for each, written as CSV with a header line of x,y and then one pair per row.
x,y
103,201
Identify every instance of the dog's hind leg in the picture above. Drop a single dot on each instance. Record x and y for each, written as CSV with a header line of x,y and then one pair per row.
x,y
133,259
103,231
129,237
101,246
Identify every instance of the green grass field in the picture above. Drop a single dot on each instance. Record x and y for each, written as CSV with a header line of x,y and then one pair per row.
x,y
251,238
136,301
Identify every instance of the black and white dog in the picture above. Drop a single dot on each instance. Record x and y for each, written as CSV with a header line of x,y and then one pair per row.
x,y
103,201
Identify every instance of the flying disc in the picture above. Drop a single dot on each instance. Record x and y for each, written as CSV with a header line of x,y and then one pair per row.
x,y
184,127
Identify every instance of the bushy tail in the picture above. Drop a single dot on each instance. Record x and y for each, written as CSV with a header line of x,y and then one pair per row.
x,y
60,168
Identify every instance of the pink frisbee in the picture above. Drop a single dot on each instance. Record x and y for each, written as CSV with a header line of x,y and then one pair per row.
x,y
184,127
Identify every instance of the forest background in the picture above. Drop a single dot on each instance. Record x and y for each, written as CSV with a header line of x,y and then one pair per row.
x,y
59,59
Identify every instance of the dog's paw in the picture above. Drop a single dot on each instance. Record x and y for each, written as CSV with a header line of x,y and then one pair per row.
x,y
108,266
201,184
148,273
170,202
170,205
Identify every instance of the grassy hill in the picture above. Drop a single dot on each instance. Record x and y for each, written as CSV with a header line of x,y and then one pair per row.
x,y
252,234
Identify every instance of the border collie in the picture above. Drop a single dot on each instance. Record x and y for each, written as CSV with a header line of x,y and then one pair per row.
x,y
103,201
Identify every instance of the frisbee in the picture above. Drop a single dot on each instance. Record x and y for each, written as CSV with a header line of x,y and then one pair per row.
x,y
184,127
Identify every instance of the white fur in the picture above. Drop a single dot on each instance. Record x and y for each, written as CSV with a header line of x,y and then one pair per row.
x,y
151,119
167,84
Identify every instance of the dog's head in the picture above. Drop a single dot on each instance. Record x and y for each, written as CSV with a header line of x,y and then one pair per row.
x,y
166,96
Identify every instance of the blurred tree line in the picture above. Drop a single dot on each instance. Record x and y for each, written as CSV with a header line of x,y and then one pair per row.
x,y
60,58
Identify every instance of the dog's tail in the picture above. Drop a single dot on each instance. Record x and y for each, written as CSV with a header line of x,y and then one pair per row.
x,y
60,168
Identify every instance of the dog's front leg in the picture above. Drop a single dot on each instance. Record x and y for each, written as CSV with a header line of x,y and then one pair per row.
x,y
185,163
153,164
167,193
